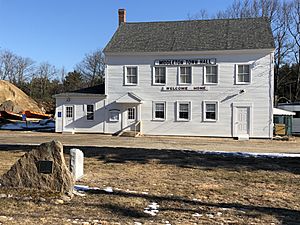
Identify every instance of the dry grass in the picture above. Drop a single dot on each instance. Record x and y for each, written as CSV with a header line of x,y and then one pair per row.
x,y
221,190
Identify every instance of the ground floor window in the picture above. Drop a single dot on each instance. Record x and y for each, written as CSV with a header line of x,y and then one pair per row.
x,y
69,111
131,113
114,115
210,109
183,111
90,112
159,110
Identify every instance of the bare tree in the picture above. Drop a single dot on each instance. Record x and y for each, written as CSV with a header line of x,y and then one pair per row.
x,y
201,15
7,65
294,30
92,68
24,70
15,68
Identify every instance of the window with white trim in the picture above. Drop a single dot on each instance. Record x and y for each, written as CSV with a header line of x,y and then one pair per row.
x,y
131,75
69,111
185,75
114,115
90,112
159,110
159,75
243,74
131,113
211,75
183,111
210,110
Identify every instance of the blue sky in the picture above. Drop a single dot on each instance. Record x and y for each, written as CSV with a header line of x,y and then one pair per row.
x,y
61,32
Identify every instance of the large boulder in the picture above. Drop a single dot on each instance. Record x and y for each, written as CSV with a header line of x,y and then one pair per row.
x,y
43,168
15,100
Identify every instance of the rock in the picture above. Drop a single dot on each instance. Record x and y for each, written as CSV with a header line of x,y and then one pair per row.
x,y
58,201
3,196
27,172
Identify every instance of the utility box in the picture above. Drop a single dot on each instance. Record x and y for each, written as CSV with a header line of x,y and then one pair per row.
x,y
280,129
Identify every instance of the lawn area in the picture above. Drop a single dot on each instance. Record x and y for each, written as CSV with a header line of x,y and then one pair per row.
x,y
190,188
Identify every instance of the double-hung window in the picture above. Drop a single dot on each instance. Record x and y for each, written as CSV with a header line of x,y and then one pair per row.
x,y
159,110
211,75
210,110
185,75
159,76
243,74
183,111
131,75
90,112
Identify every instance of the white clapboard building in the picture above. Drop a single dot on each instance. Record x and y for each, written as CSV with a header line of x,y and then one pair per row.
x,y
190,78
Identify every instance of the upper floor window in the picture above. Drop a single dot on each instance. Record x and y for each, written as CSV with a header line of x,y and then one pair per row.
x,y
243,74
131,75
211,75
90,112
159,75
185,75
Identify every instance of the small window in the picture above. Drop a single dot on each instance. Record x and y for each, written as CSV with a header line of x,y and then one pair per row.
x,y
210,111
211,75
114,115
69,111
184,111
131,113
243,74
185,75
90,112
159,75
131,75
159,111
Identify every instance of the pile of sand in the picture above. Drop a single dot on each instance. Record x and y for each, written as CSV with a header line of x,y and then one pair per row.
x,y
14,100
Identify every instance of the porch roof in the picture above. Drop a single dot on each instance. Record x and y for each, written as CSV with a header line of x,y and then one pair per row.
x,y
129,98
282,112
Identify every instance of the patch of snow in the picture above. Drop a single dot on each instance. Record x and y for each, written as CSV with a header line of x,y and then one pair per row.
x,y
81,187
108,189
219,213
250,154
197,215
145,193
137,223
152,209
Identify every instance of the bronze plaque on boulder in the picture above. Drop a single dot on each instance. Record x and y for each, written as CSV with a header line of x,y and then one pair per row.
x,y
45,166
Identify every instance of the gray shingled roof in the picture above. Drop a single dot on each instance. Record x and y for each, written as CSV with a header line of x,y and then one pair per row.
x,y
192,35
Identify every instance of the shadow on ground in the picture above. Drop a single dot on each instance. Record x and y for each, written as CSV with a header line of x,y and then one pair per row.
x,y
191,159
181,158
286,216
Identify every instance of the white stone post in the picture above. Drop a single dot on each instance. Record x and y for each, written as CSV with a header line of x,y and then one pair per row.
x,y
76,163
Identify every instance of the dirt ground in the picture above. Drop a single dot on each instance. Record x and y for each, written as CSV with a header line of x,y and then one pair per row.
x,y
190,188
153,142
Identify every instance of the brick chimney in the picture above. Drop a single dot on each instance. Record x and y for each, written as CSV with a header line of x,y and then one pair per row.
x,y
122,16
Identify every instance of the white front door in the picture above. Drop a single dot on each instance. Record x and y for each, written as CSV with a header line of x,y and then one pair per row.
x,y
243,120
69,116
131,117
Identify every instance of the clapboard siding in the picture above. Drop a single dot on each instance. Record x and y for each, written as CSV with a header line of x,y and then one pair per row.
x,y
226,92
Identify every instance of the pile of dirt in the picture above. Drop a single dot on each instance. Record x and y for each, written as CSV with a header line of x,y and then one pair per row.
x,y
43,168
14,100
